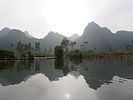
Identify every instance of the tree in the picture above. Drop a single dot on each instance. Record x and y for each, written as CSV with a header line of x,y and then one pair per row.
x,y
11,46
50,51
65,44
29,47
37,47
6,54
59,52
75,54
83,45
20,47
72,44
25,47
30,56
110,50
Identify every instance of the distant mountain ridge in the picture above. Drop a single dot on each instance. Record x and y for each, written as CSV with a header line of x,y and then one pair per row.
x,y
4,31
94,37
101,38
74,37
51,40
14,36
28,35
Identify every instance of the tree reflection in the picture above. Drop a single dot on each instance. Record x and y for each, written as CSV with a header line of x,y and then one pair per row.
x,y
37,65
59,63
24,65
95,71
6,64
76,61
62,64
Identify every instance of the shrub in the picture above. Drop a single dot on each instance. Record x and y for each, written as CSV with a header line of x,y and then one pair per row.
x,y
75,54
59,52
6,54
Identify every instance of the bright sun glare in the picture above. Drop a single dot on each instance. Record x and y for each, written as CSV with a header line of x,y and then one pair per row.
x,y
67,96
65,15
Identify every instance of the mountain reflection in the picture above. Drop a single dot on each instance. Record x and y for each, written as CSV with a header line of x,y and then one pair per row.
x,y
96,72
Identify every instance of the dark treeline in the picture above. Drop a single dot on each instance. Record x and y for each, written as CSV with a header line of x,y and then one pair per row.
x,y
6,54
69,50
20,51
25,47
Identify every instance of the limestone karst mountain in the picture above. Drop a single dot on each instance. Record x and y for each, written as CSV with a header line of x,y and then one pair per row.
x,y
101,38
94,37
74,37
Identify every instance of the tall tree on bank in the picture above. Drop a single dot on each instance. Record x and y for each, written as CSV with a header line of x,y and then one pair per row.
x,y
65,44
58,52
72,44
37,47
20,47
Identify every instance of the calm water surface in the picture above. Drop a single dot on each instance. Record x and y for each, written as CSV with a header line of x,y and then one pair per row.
x,y
43,79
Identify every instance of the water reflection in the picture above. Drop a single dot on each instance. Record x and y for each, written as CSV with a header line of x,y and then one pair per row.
x,y
6,64
94,79
39,87
116,90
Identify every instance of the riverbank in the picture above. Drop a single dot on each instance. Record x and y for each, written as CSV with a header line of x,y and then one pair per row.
x,y
93,56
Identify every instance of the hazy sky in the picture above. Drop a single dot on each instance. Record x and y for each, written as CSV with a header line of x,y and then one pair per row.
x,y
38,17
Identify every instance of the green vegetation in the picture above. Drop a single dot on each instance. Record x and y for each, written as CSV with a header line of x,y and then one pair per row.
x,y
21,51
24,51
75,54
37,47
6,54
30,56
59,52
65,44
67,49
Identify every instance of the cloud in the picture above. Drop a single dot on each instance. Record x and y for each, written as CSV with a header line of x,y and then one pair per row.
x,y
117,16
24,15
72,15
